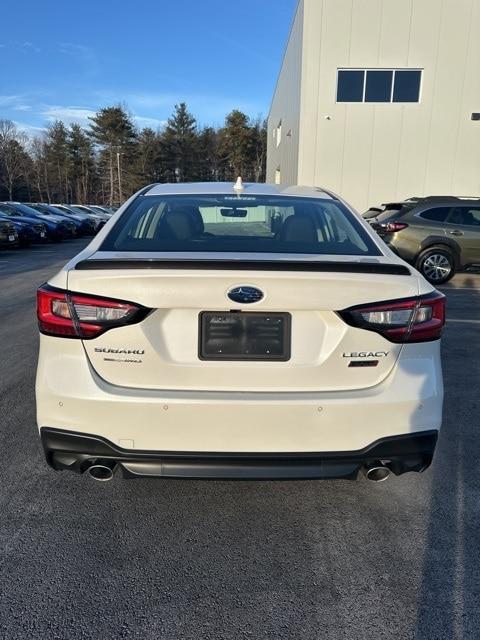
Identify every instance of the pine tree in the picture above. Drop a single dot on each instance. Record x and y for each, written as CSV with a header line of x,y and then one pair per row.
x,y
149,157
82,164
236,147
180,146
56,141
208,158
113,131
258,133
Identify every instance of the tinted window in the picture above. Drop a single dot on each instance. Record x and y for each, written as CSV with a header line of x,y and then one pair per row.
x,y
5,209
407,86
224,223
392,213
379,86
438,214
350,86
465,216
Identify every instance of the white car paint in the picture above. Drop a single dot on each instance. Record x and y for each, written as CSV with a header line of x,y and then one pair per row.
x,y
143,387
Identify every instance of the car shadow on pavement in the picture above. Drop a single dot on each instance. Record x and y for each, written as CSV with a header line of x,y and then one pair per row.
x,y
449,604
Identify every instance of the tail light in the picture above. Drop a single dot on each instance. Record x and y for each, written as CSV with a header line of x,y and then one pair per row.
x,y
393,227
75,315
410,320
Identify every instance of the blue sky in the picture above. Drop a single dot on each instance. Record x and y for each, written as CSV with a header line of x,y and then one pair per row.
x,y
63,59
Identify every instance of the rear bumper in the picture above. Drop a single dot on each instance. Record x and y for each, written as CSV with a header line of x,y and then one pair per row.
x,y
66,450
71,397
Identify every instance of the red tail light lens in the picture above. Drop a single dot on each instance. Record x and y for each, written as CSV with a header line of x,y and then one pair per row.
x,y
393,227
410,320
75,315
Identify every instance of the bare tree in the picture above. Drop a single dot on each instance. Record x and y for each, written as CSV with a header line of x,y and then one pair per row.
x,y
38,153
12,155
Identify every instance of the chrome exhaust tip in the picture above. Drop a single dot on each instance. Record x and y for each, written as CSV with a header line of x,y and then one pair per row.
x,y
101,471
376,472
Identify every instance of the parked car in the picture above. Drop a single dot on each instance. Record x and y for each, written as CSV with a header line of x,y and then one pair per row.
x,y
252,331
439,235
96,208
68,227
103,214
98,220
28,233
21,213
8,234
83,225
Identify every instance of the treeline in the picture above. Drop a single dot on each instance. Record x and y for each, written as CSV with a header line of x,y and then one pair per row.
x,y
111,158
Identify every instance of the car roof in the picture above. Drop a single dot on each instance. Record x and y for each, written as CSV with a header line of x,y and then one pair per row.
x,y
417,201
249,188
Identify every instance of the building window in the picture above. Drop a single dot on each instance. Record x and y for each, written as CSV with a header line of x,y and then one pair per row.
x,y
279,133
278,176
407,85
379,85
350,86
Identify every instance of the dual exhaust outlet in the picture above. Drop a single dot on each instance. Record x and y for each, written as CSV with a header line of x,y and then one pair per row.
x,y
103,471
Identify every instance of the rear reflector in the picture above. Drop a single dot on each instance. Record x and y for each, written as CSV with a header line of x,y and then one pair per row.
x,y
410,320
75,315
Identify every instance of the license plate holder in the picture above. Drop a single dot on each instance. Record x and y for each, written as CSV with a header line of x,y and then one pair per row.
x,y
244,335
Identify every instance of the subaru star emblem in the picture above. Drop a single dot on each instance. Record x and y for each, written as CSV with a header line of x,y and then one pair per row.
x,y
246,295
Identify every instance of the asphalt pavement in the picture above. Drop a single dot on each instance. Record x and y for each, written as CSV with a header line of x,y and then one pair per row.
x,y
173,559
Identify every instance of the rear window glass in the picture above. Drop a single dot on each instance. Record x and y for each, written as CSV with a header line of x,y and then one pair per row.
x,y
225,223
393,211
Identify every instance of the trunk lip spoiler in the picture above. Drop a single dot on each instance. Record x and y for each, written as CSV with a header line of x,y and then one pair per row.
x,y
244,265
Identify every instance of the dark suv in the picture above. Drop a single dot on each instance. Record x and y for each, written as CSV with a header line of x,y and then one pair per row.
x,y
439,235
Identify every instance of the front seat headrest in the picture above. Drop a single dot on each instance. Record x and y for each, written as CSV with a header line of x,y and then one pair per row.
x,y
178,224
299,227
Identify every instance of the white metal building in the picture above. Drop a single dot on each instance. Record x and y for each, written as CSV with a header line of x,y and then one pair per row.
x,y
379,100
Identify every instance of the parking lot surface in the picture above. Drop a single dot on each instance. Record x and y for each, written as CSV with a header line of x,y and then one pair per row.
x,y
188,559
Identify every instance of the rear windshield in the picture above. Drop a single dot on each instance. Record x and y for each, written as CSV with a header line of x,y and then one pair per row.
x,y
394,211
254,224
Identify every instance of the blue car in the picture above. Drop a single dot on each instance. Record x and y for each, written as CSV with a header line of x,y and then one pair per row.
x,y
28,232
55,231
8,234
68,227
81,229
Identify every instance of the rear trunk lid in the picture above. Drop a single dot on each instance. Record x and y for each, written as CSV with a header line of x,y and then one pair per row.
x,y
162,351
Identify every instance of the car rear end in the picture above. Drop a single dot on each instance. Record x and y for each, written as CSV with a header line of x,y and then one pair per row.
x,y
8,234
399,232
254,334
68,227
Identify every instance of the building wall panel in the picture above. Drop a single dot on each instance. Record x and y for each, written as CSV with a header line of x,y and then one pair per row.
x,y
371,153
285,108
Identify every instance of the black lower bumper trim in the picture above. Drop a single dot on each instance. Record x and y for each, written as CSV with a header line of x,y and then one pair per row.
x,y
78,451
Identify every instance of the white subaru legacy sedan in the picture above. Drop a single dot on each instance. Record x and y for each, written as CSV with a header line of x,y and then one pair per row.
x,y
244,331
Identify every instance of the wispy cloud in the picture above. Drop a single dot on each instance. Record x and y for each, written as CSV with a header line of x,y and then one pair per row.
x,y
29,47
76,50
29,129
82,115
67,114
10,101
23,47
153,123
207,108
